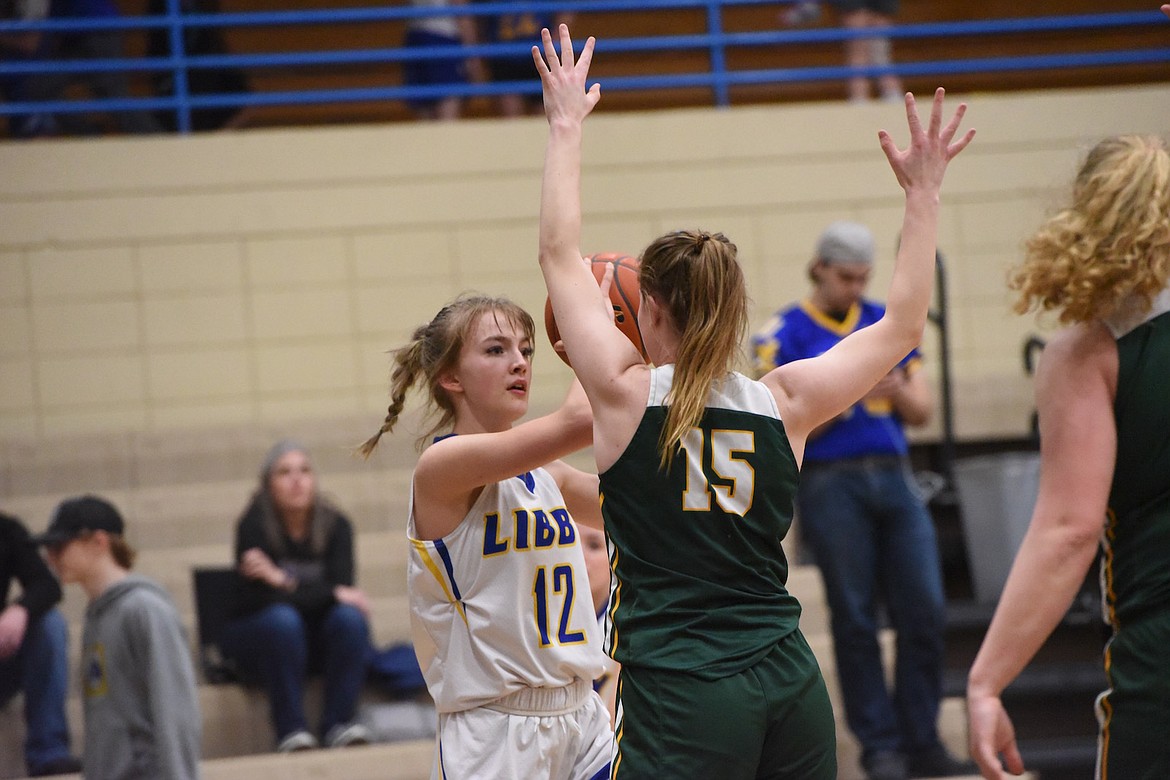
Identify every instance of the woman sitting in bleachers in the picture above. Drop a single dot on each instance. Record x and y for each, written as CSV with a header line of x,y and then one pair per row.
x,y
298,610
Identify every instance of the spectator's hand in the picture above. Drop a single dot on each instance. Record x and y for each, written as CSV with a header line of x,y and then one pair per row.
x,y
563,80
990,734
256,565
13,623
354,597
924,162
1166,10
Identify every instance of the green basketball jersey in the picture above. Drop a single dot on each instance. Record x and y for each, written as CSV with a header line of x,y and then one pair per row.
x,y
699,573
1137,536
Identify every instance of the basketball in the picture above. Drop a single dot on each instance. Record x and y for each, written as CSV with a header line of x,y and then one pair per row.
x,y
623,294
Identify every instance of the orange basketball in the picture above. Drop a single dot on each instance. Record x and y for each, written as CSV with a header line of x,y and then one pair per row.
x,y
623,293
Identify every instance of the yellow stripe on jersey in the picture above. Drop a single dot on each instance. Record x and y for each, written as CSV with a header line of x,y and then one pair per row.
x,y
615,598
1106,573
425,552
619,731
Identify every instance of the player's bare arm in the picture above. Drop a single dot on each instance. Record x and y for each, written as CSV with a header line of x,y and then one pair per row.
x,y
1075,387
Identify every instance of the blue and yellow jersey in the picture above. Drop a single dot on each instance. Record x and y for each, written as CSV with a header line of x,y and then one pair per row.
x,y
502,602
804,331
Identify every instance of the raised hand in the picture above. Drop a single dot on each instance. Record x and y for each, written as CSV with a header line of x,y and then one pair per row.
x,y
563,80
1166,9
923,163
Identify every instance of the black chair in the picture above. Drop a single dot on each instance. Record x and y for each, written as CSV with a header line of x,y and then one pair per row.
x,y
216,589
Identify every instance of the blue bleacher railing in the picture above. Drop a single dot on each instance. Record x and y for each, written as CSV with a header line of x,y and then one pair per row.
x,y
719,77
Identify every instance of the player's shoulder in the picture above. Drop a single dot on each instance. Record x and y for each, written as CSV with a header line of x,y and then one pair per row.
x,y
1078,341
1077,357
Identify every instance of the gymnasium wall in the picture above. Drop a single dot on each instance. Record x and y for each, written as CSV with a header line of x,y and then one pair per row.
x,y
255,280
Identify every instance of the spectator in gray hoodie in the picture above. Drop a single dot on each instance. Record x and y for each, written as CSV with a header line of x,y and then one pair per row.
x,y
142,718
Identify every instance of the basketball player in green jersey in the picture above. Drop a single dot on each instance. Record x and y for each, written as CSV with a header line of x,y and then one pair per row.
x,y
698,464
1103,395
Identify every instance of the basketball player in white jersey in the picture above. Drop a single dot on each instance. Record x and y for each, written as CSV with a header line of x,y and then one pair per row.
x,y
501,613
596,550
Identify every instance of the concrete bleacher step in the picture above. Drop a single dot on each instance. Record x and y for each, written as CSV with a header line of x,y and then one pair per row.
x,y
236,722
408,760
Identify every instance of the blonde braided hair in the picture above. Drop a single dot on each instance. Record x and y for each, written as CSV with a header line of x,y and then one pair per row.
x,y
432,351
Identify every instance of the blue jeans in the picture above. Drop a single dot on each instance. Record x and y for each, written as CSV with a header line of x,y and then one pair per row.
x,y
40,668
874,541
278,648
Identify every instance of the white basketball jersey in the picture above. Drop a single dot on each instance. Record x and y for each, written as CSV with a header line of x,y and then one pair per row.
x,y
502,602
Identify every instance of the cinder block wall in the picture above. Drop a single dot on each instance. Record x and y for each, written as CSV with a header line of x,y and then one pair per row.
x,y
170,306
257,278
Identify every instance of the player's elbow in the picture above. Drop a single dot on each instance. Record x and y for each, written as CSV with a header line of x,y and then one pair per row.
x,y
904,332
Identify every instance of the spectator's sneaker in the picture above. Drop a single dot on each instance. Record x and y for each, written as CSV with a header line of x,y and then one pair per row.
x,y
885,765
937,762
346,734
297,741
68,765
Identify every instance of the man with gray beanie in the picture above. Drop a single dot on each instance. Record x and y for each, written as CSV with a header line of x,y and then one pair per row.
x,y
864,522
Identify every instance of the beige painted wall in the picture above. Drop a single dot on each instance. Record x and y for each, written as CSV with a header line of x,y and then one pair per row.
x,y
257,278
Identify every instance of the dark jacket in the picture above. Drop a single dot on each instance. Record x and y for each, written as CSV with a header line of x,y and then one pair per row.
x,y
320,563
20,560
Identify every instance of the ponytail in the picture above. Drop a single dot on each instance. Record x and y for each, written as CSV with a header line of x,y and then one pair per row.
x,y
408,365
696,278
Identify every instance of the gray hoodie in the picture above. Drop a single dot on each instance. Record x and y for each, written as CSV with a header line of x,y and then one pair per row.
x,y
142,717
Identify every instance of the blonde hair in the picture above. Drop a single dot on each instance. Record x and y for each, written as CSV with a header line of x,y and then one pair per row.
x,y
695,276
1111,244
433,350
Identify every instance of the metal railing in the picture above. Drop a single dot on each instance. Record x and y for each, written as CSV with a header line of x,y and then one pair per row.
x,y
715,42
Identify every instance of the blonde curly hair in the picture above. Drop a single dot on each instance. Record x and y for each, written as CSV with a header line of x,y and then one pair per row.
x,y
1111,244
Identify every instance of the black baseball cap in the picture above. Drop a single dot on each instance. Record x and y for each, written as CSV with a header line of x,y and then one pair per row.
x,y
75,516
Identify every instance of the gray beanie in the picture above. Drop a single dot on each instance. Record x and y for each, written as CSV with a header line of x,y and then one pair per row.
x,y
278,451
846,242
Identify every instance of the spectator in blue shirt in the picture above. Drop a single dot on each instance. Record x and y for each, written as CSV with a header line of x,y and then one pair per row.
x,y
861,515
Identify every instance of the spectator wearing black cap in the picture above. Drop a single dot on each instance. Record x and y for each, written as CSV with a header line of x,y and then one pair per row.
x,y
142,718
34,656
865,523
